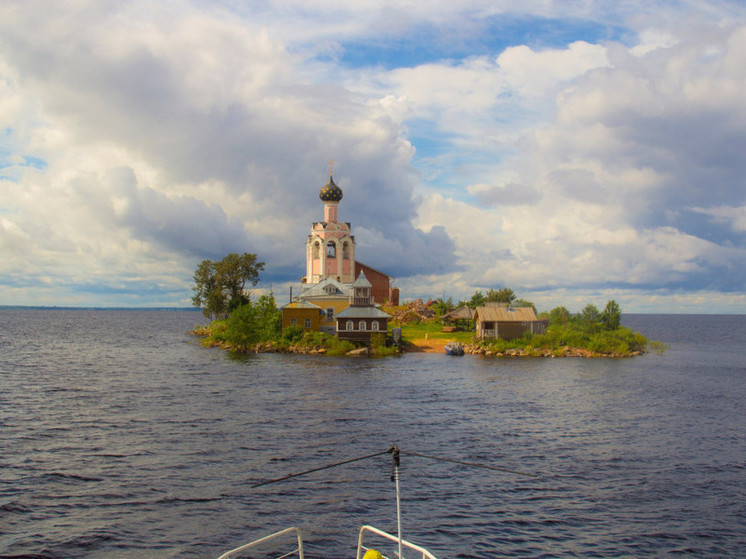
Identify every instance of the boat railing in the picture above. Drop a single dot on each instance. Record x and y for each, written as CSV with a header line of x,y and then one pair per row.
x,y
298,550
361,549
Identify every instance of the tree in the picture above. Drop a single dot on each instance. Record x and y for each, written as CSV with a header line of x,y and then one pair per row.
x,y
524,303
477,300
219,286
611,317
207,291
590,317
559,315
504,295
441,307
254,322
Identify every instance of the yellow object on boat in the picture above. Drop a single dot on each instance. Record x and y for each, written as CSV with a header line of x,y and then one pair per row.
x,y
372,554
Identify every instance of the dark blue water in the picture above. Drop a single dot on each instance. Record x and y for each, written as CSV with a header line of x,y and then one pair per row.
x,y
121,437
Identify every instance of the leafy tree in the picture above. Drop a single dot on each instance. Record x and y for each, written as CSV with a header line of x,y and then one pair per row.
x,y
590,317
477,300
251,323
611,317
560,316
219,286
269,317
524,303
441,307
504,295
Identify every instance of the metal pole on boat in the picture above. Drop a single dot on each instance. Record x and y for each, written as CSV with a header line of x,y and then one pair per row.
x,y
394,450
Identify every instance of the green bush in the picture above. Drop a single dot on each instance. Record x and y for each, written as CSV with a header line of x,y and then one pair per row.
x,y
338,347
252,323
315,339
293,333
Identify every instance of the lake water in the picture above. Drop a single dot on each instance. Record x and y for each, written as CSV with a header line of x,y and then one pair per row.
x,y
120,436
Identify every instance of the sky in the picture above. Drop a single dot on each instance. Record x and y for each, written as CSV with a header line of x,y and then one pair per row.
x,y
574,151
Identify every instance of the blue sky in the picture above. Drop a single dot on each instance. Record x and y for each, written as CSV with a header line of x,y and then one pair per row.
x,y
574,151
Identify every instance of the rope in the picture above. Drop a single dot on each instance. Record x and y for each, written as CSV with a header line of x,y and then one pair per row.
x,y
319,469
470,464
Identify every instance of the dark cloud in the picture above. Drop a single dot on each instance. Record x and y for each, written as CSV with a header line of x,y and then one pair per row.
x,y
181,224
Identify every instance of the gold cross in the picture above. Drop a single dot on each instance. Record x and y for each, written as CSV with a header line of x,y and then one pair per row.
x,y
331,166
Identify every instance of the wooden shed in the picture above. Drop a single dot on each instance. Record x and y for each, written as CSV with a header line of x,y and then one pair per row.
x,y
507,322
461,318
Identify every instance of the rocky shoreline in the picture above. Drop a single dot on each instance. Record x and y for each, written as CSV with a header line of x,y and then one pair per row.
x,y
274,347
566,351
421,346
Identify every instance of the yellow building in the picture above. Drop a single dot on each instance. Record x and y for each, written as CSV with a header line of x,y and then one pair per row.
x,y
301,313
330,297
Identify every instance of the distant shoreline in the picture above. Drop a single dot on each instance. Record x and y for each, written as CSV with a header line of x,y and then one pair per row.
x,y
193,309
56,308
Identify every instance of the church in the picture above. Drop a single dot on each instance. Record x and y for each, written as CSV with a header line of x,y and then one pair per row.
x,y
339,295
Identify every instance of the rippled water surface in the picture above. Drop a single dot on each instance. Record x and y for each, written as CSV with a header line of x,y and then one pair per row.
x,y
121,437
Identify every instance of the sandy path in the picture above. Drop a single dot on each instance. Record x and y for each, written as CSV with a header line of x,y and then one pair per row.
x,y
429,346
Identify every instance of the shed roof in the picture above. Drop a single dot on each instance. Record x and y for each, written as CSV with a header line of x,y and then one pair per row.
x,y
503,314
461,313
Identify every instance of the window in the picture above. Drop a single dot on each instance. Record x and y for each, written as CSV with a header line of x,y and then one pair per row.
x,y
330,314
308,323
350,325
345,250
316,247
293,322
374,326
331,249
361,326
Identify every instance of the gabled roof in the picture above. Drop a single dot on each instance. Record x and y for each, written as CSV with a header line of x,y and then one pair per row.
x,y
301,305
362,312
325,288
505,314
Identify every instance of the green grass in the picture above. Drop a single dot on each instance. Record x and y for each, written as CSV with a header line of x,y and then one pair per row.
x,y
432,330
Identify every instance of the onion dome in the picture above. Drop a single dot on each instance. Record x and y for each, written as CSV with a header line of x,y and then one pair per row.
x,y
330,192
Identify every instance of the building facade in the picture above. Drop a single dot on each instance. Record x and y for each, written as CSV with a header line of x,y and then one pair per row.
x,y
331,273
300,313
361,320
507,322
330,248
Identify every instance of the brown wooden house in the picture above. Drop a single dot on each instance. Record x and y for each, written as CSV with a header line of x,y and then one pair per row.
x,y
507,322
361,319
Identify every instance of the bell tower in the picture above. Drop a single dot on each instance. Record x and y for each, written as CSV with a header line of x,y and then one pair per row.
x,y
330,248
